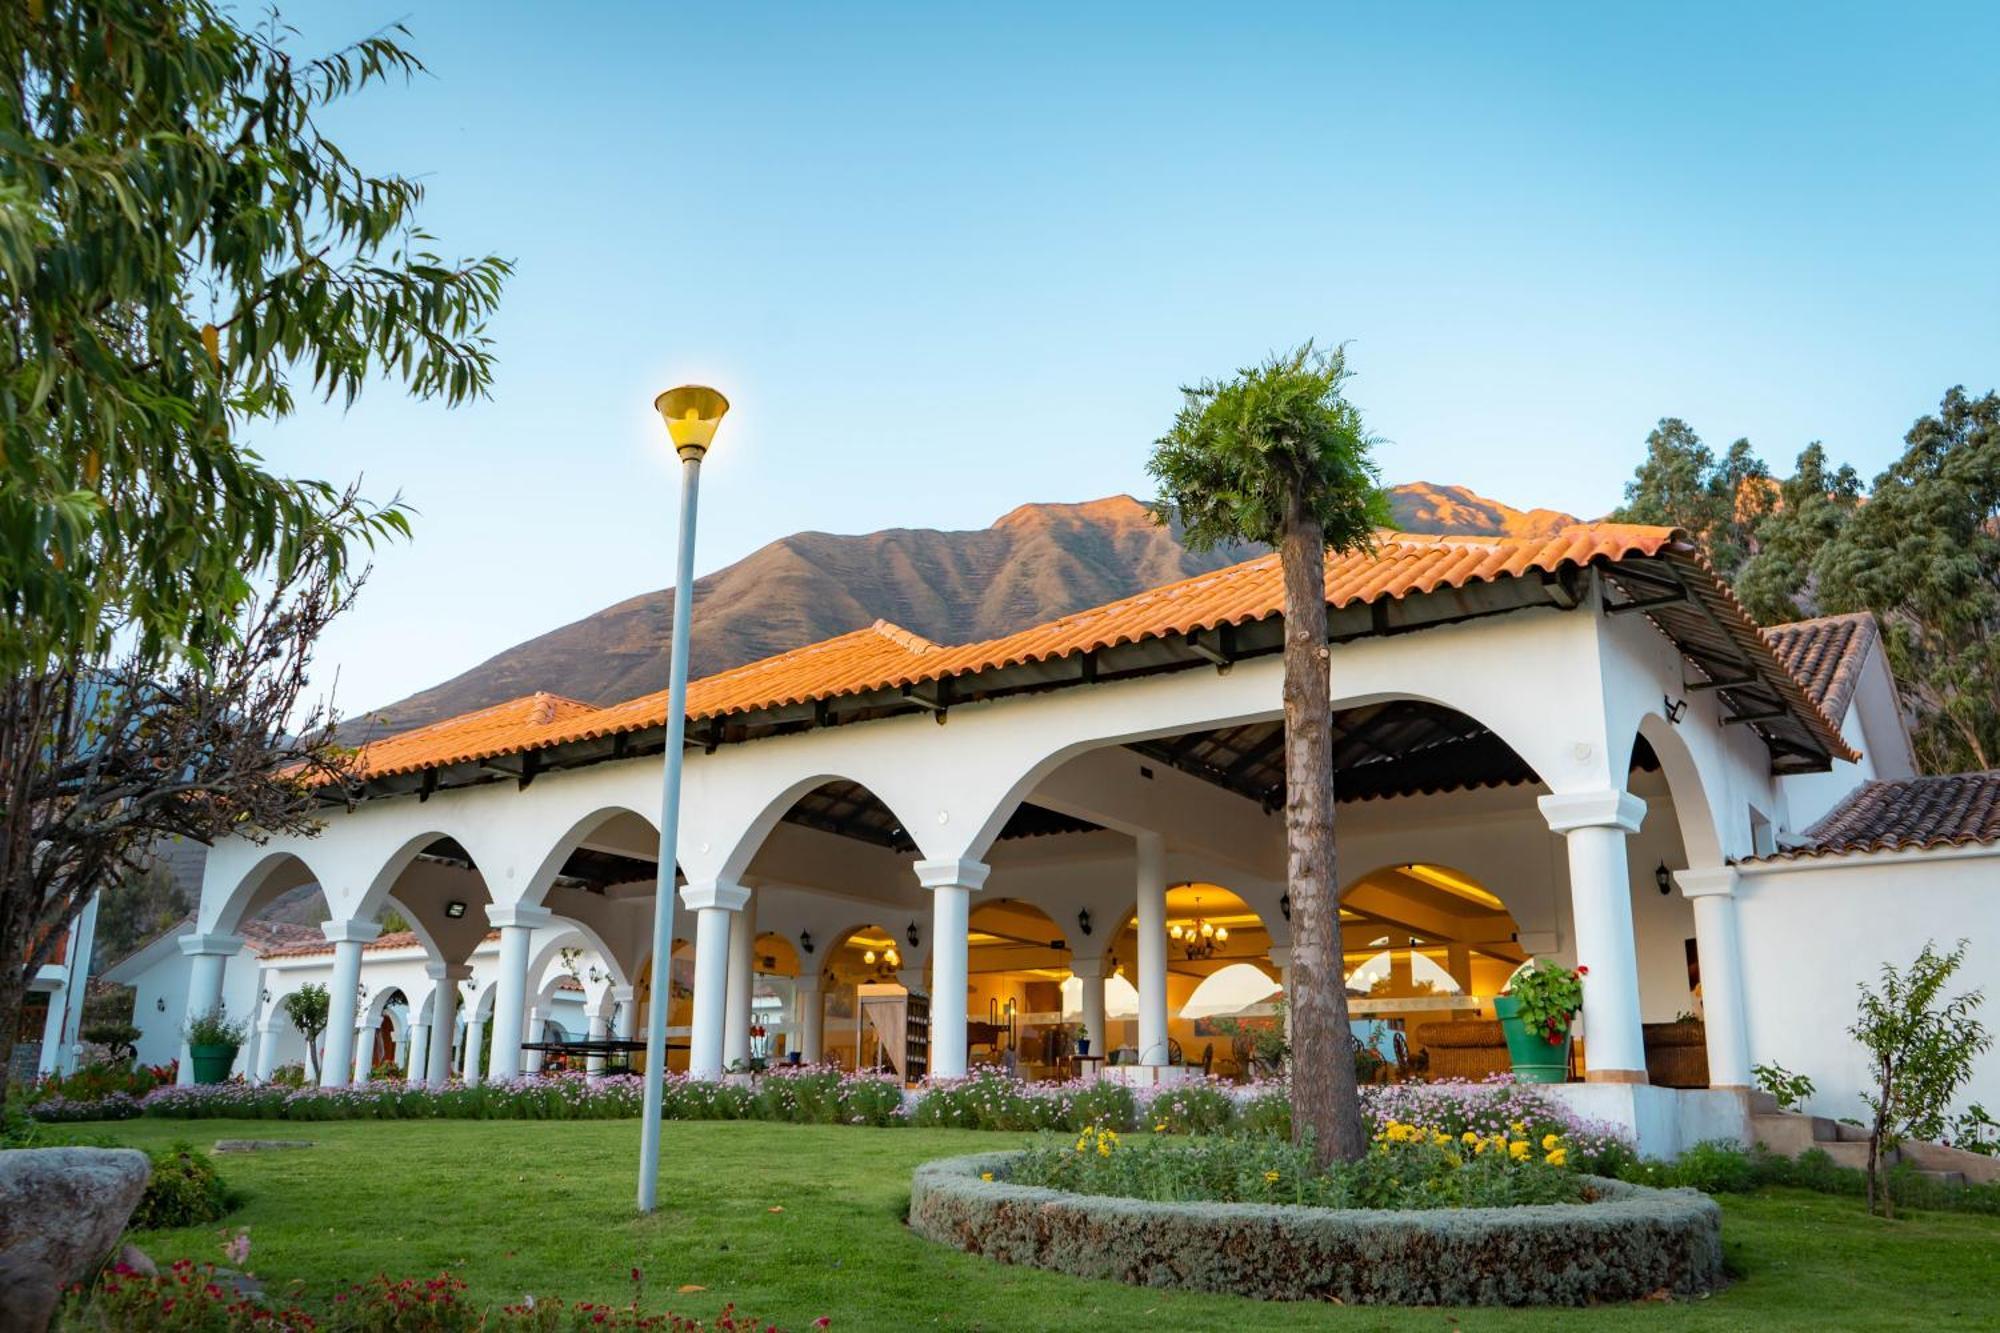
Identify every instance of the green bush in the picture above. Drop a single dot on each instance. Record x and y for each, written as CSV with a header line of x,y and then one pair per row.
x,y
184,1191
1716,1166
1628,1244
1259,1169
1196,1108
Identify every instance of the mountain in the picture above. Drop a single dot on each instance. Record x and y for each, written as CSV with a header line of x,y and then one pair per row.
x,y
1036,563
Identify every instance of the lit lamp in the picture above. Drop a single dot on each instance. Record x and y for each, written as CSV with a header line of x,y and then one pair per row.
x,y
692,412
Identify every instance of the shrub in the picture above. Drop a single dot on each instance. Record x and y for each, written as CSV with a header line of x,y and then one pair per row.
x,y
199,1299
292,1075
101,1079
1195,1108
184,1191
1407,1168
215,1028
1715,1166
1791,1091
1629,1244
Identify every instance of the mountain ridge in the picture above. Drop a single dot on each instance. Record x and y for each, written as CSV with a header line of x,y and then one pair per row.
x,y
1034,563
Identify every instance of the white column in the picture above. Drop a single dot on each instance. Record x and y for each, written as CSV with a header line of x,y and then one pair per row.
x,y
475,1037
1089,973
1152,928
267,1049
444,1018
416,1051
82,943
625,1022
50,1059
1281,958
811,1001
531,1061
951,885
600,1029
337,1065
741,983
1594,825
208,956
510,1001
364,1049
1724,1009
713,903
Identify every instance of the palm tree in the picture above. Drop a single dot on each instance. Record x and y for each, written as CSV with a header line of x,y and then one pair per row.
x,y
1278,455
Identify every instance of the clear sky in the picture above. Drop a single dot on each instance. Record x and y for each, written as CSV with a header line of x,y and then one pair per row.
x,y
945,264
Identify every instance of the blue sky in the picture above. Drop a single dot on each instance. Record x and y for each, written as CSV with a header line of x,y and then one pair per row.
x,y
945,264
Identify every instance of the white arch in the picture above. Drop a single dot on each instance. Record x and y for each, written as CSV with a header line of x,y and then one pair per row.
x,y
1228,989
565,846
1701,837
250,883
772,806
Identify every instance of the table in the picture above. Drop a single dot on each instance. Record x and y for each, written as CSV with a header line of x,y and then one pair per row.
x,y
1084,1066
616,1052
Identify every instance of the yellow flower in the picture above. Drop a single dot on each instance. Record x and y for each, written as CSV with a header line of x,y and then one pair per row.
x,y
1550,1142
1478,1145
1270,1177
1558,1157
1468,1137
986,1175
1440,1139
1160,1128
1516,1127
1518,1150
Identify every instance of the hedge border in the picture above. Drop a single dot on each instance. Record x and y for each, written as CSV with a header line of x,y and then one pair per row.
x,y
1632,1243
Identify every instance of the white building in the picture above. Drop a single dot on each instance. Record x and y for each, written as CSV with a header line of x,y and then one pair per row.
x,y
1578,748
571,987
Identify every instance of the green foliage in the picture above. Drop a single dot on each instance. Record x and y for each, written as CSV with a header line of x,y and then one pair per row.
x,y
121,1038
995,1101
1249,457
1791,1090
1924,555
136,907
178,244
1976,1131
1921,1046
1256,1169
1194,1108
306,1009
215,1028
184,1191
1549,995
1599,1241
1682,484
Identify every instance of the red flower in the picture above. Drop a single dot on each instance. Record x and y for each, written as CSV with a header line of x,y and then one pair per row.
x,y
1554,1040
1582,971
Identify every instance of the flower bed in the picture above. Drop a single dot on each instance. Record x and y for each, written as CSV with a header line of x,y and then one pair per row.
x,y
818,1095
1630,1242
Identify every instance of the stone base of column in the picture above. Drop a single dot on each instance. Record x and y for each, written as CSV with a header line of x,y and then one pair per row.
x,y
1616,1076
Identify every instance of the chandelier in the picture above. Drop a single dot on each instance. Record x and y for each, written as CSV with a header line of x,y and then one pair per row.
x,y
885,963
1200,937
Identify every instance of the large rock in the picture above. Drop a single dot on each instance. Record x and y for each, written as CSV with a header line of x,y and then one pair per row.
x,y
61,1213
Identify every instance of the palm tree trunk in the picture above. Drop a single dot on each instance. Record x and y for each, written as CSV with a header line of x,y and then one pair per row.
x,y
1326,1105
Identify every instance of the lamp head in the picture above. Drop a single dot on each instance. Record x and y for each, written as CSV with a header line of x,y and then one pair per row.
x,y
692,412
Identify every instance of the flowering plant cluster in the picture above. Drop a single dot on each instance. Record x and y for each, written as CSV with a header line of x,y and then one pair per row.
x,y
1409,1167
997,1101
1549,995
190,1298
94,1082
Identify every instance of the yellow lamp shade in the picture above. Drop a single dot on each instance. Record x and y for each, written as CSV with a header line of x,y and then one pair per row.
x,y
869,957
692,412
1222,934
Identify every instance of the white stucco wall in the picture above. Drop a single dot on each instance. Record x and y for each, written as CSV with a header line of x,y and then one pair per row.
x,y
1814,930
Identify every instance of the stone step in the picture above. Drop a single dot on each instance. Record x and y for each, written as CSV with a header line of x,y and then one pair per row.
x,y
1784,1133
1852,1154
1763,1103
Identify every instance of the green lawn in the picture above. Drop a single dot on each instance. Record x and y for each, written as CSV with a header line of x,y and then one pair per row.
x,y
792,1222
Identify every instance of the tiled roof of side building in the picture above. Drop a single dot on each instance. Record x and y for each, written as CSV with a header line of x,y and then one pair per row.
x,y
389,939
1908,814
886,656
1826,655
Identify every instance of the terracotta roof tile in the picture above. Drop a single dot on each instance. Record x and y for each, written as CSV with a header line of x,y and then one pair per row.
x,y
1826,655
1909,814
885,656
390,939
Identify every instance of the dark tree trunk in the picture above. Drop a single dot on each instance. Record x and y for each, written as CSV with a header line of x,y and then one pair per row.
x,y
1326,1105
12,995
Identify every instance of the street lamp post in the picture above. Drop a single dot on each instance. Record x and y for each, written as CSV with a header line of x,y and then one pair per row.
x,y
692,412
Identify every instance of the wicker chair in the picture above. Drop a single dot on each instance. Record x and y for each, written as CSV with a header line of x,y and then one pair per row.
x,y
1677,1054
1464,1048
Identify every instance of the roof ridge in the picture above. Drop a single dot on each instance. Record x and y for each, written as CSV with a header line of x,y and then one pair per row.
x,y
904,638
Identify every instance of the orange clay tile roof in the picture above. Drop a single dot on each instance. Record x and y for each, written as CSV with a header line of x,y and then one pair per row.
x,y
885,656
388,939
1826,655
1909,814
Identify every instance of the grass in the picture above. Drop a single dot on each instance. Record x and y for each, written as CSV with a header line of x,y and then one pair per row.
x,y
792,1222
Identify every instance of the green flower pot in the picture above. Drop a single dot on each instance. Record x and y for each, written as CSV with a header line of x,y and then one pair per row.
x,y
1535,1061
211,1063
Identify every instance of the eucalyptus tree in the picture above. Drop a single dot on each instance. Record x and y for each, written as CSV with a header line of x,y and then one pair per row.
x,y
1278,455
182,252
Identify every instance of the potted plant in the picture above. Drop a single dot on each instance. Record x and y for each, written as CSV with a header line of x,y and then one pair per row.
x,y
213,1041
1535,1010
1082,1035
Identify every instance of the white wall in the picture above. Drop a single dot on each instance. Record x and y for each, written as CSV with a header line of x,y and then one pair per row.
x,y
1814,930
